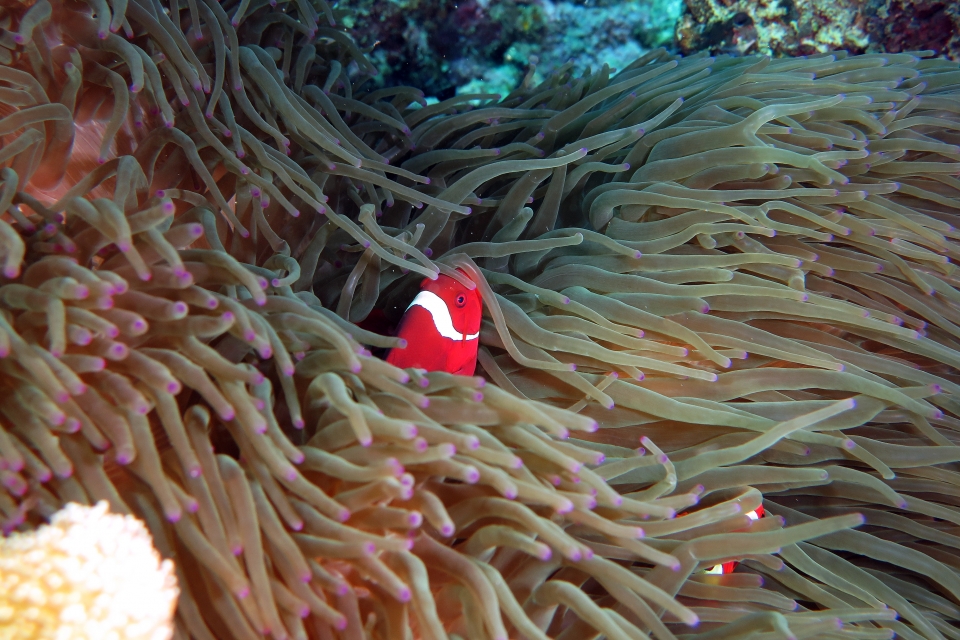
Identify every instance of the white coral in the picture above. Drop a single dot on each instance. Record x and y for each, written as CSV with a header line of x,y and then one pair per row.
x,y
88,575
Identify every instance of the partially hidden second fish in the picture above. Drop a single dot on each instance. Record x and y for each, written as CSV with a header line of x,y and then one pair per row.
x,y
729,567
441,327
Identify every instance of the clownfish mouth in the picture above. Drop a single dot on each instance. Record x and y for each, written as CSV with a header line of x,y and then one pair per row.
x,y
438,310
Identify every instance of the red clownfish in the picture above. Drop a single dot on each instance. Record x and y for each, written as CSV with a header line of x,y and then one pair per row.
x,y
441,327
728,567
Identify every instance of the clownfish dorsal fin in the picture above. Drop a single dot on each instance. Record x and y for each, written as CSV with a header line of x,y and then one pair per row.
x,y
440,313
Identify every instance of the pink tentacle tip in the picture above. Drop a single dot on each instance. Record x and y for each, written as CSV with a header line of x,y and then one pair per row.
x,y
343,515
341,622
73,425
174,517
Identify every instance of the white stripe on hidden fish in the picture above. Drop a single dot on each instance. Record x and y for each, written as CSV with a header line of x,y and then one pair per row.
x,y
717,570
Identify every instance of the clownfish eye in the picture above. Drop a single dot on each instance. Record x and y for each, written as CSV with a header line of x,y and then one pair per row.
x,y
461,300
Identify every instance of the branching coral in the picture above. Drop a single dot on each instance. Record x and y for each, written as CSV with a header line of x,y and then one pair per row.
x,y
198,212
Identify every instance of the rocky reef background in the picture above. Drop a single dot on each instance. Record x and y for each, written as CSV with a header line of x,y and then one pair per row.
x,y
806,27
449,47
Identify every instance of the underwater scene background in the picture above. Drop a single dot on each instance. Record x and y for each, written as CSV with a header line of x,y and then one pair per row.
x,y
671,286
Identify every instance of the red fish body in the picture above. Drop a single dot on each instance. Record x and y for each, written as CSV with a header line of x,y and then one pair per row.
x,y
441,327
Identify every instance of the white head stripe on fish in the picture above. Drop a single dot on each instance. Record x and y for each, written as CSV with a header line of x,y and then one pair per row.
x,y
442,320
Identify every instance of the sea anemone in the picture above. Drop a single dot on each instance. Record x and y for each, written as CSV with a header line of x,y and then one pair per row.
x,y
708,283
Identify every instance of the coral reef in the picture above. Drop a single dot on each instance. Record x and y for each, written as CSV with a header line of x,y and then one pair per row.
x,y
742,265
806,27
87,574
477,46
905,25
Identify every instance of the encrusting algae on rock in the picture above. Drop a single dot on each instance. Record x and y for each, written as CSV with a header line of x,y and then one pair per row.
x,y
740,265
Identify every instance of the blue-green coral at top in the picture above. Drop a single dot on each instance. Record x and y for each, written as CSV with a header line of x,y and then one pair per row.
x,y
484,46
